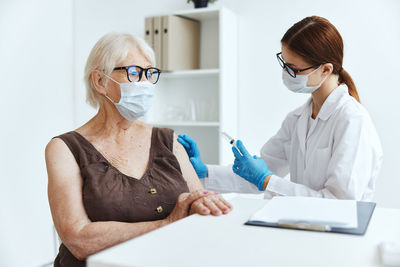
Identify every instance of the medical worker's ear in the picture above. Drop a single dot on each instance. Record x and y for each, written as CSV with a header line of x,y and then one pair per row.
x,y
99,81
327,69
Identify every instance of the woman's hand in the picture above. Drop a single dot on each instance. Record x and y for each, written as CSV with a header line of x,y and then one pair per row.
x,y
183,203
194,155
252,168
212,203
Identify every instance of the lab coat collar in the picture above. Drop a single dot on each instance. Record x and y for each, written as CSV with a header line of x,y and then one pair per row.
x,y
334,101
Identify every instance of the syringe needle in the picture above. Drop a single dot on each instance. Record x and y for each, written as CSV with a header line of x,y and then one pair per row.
x,y
227,136
230,140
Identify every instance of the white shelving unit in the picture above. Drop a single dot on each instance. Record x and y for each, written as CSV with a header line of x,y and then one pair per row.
x,y
203,102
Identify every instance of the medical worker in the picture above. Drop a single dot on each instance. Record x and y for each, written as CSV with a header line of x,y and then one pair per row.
x,y
329,145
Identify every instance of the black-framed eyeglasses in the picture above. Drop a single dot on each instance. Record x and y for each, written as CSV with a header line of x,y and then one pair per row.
x,y
292,72
134,73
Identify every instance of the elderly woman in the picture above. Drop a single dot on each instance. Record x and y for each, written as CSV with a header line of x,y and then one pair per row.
x,y
116,178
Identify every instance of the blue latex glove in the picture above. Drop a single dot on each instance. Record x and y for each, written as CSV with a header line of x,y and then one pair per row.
x,y
194,155
251,168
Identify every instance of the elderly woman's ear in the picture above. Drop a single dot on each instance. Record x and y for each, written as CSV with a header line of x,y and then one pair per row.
x,y
99,82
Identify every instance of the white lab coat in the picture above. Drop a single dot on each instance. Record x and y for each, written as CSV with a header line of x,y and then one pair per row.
x,y
340,156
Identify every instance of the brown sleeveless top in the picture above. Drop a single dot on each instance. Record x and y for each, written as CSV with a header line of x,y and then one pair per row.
x,y
109,195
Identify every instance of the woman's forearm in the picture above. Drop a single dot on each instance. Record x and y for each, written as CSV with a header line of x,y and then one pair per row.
x,y
96,236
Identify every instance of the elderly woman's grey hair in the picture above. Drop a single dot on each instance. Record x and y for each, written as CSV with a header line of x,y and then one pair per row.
x,y
106,54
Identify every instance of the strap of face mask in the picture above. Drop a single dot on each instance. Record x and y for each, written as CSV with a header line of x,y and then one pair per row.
x,y
106,96
111,78
314,70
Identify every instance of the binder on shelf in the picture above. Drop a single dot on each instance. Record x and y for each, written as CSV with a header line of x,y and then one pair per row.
x,y
157,39
175,40
180,43
149,32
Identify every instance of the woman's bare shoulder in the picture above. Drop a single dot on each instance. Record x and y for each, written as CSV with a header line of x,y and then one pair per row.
x,y
55,145
58,154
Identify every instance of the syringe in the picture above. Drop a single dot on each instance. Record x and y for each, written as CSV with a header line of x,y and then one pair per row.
x,y
230,140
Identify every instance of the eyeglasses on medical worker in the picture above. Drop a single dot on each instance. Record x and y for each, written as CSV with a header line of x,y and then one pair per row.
x,y
292,72
134,73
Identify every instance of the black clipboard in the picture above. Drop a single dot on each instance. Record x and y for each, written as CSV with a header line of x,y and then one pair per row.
x,y
364,214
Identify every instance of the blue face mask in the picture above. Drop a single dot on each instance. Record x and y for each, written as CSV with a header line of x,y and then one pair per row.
x,y
299,84
136,99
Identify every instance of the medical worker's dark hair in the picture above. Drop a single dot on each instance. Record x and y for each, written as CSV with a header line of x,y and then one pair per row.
x,y
317,41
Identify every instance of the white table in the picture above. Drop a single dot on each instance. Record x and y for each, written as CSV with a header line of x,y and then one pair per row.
x,y
226,241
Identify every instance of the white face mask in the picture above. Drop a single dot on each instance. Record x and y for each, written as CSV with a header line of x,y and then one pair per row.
x,y
299,84
136,99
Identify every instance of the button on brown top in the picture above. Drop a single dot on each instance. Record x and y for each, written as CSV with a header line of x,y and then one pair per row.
x,y
159,209
153,191
109,195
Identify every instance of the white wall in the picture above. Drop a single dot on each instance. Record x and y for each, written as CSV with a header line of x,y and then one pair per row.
x,y
36,104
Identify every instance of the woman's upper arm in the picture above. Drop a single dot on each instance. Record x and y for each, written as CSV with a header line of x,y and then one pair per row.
x,y
65,190
188,172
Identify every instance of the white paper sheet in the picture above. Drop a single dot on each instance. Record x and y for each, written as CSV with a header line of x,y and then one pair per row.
x,y
318,211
